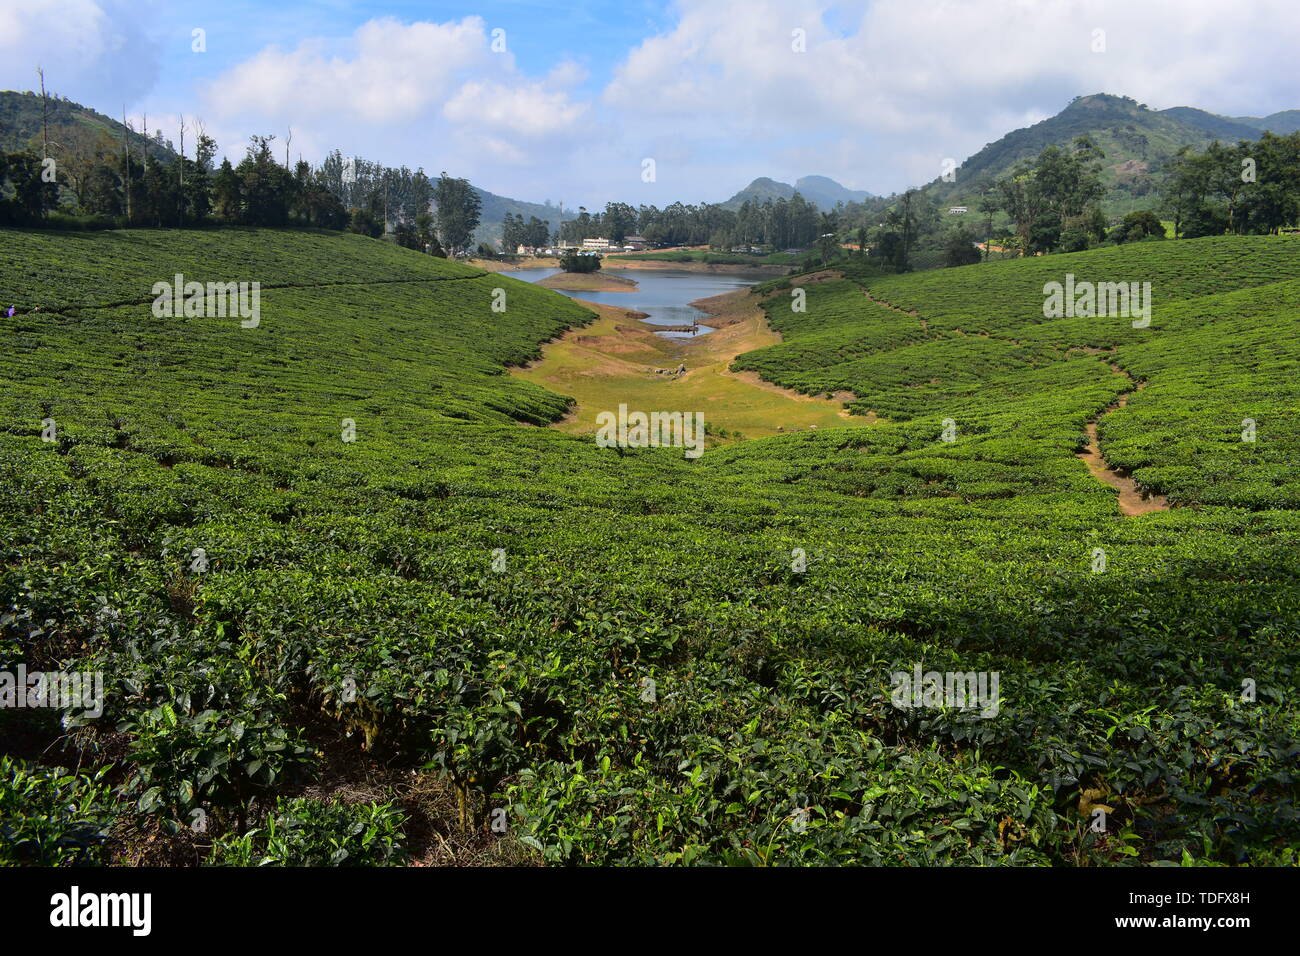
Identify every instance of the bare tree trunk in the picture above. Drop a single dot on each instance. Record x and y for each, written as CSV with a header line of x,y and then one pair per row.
x,y
45,121
180,197
126,165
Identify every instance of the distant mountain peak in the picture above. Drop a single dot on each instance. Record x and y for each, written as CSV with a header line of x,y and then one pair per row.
x,y
1137,141
822,191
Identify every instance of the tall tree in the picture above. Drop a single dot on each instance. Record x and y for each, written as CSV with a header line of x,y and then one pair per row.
x,y
458,213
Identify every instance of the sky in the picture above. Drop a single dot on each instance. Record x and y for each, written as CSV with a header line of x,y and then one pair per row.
x,y
589,101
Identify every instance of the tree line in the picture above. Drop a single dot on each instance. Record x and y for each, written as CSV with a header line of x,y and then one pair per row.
x,y
145,183
1249,188
778,224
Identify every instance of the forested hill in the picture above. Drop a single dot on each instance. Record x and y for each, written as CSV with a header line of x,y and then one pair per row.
x,y
80,130
495,208
1138,142
73,127
1241,127
821,191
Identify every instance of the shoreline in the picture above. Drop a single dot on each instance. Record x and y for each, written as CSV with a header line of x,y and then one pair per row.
x,y
754,271
587,282
495,265
618,359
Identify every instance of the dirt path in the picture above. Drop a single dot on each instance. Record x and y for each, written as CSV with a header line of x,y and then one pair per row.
x,y
1133,499
889,305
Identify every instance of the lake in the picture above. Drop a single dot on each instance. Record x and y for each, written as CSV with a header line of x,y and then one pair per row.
x,y
663,294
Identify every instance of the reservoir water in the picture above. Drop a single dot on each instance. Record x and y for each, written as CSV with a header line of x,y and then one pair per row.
x,y
663,294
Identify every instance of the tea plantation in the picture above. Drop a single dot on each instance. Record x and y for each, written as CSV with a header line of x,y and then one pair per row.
x,y
622,656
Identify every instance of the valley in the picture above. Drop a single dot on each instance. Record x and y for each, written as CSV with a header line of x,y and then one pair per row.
x,y
864,443
396,575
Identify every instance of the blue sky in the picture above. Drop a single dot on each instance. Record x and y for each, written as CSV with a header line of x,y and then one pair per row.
x,y
874,93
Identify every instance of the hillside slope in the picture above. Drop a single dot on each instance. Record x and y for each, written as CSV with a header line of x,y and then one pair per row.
x,y
639,657
1137,142
71,126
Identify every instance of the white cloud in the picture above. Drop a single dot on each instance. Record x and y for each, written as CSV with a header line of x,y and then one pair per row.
x,y
526,110
387,72
886,90
914,81
92,50
430,94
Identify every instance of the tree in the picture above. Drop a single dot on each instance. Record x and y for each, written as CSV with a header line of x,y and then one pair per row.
x,y
458,213
1185,187
1054,195
620,221
405,236
100,192
1138,225
578,262
227,195
828,226
960,249
32,196
265,185
512,232
363,223
1273,200
537,233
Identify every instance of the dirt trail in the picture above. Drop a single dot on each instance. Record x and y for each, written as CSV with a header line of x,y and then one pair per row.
x,y
1133,500
889,305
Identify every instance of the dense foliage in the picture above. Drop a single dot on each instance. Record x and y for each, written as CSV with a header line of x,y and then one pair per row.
x,y
639,657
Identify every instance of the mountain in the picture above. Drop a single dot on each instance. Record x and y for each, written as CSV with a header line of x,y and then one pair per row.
x,y
822,191
1226,128
826,192
1282,124
495,207
1138,143
1237,127
71,125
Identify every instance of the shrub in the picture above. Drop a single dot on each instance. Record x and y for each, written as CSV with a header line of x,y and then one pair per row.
x,y
577,262
304,832
50,817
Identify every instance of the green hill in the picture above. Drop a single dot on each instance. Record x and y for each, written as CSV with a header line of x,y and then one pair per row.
x,y
1232,128
495,208
1137,142
71,126
638,657
80,128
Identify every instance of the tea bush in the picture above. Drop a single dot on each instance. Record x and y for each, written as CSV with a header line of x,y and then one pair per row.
x,y
621,647
52,817
305,832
